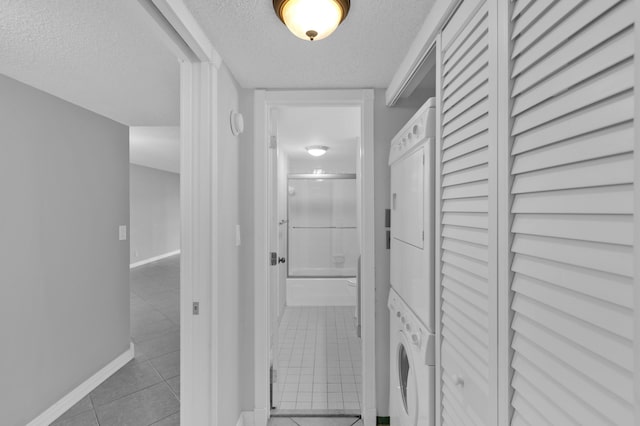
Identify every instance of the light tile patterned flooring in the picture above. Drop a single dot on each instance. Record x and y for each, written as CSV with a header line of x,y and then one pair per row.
x,y
320,362
146,391
315,421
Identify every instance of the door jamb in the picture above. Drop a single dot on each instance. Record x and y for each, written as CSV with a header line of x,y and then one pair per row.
x,y
263,102
636,216
199,65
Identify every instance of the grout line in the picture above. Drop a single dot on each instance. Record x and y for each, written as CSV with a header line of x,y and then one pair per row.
x,y
164,418
163,379
93,408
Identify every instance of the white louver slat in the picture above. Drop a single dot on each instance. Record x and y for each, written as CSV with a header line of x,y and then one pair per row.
x,y
467,352
572,188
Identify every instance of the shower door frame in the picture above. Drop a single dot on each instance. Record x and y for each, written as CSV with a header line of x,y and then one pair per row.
x,y
264,102
311,176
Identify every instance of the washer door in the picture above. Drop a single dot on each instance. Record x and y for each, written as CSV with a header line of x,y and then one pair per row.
x,y
407,411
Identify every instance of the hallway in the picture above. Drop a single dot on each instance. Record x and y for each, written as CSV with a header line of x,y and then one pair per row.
x,y
146,391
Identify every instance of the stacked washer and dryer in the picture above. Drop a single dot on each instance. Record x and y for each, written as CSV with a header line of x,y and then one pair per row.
x,y
411,299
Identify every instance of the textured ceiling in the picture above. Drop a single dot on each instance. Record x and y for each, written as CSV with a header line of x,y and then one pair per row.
x,y
102,55
261,52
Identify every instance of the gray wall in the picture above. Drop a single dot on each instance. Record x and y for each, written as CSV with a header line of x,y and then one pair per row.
x,y
388,121
64,276
155,212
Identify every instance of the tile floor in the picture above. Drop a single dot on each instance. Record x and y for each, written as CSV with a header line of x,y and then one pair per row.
x,y
146,391
320,362
315,421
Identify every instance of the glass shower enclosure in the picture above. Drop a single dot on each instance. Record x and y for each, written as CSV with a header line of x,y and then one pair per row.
x,y
322,226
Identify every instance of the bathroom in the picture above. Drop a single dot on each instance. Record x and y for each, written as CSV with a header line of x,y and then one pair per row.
x,y
319,353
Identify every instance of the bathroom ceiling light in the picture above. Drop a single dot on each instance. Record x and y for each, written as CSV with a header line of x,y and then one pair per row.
x,y
312,19
317,150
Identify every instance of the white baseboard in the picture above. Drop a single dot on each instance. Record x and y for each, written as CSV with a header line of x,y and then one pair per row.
x,y
154,259
72,398
260,417
369,417
245,419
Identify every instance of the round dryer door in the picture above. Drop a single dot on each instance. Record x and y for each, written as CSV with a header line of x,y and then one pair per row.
x,y
408,412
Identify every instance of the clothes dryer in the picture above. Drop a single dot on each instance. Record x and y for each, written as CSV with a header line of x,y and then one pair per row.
x,y
412,213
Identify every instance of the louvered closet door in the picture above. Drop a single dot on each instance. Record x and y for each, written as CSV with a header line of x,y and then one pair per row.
x,y
573,202
466,348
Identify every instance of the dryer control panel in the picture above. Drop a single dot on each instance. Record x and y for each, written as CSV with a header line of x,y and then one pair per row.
x,y
417,131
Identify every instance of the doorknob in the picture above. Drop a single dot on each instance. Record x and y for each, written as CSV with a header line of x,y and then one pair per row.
x,y
281,260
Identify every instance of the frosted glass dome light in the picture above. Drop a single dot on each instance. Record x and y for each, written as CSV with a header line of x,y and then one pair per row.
x,y
311,19
317,150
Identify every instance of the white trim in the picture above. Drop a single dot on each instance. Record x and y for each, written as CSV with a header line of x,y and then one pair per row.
x,y
263,101
198,208
502,20
164,31
245,419
73,397
185,24
199,228
438,232
636,242
417,53
493,231
261,267
154,259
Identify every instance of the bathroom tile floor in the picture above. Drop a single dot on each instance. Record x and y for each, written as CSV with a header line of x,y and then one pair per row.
x,y
146,391
315,421
320,362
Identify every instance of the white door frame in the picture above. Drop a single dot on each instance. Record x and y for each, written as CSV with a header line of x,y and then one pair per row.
x,y
199,65
263,102
636,216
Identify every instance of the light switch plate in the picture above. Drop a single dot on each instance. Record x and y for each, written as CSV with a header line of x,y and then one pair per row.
x,y
122,232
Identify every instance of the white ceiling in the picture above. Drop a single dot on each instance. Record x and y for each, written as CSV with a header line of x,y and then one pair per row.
x,y
261,52
100,54
105,56
156,147
335,127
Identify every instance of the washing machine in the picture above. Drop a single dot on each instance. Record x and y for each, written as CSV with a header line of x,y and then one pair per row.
x,y
412,367
411,160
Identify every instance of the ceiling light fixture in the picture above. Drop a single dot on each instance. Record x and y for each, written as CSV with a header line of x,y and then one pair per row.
x,y
317,150
312,19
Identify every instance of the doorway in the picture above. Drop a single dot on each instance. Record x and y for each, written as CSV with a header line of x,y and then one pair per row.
x,y
303,218
315,345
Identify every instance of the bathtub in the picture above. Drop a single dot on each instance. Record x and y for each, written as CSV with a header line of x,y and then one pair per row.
x,y
321,291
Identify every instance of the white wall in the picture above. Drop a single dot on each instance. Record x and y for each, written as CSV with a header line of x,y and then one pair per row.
x,y
246,254
64,276
387,123
230,308
155,212
327,163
